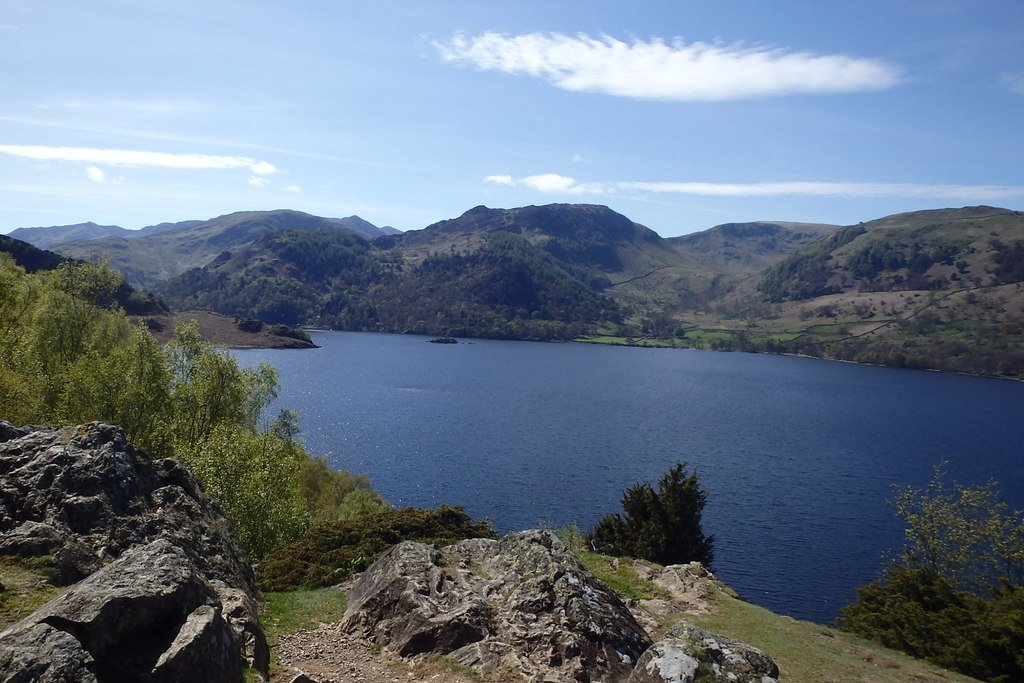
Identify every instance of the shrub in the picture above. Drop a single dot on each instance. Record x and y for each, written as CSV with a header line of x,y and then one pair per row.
x,y
954,596
662,526
328,553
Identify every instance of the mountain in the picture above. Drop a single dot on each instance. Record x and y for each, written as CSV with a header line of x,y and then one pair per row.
x,y
554,271
503,287
937,289
748,247
56,235
941,288
922,250
161,254
44,238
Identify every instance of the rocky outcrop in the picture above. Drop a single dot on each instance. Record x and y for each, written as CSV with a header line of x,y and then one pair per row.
x,y
519,608
162,590
688,654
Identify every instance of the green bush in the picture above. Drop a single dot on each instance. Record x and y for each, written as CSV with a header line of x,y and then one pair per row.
x,y
662,526
336,495
955,594
328,553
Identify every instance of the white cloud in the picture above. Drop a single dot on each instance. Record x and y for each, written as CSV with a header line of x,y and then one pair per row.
x,y
292,188
823,189
258,181
657,70
1014,82
8,27
549,182
500,180
554,183
95,174
137,158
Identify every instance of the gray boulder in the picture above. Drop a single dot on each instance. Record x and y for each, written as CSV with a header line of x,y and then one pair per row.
x,y
520,608
688,653
163,592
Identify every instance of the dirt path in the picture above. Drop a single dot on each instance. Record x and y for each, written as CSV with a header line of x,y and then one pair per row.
x,y
329,655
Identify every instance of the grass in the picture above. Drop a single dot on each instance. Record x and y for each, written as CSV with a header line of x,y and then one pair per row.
x,y
434,666
806,651
621,577
294,611
26,585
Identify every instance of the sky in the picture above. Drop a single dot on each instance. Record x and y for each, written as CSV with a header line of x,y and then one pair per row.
x,y
680,114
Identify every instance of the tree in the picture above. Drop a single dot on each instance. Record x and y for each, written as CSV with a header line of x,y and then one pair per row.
x,y
662,526
955,595
964,534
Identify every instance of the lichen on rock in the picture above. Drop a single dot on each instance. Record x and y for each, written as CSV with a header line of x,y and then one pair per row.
x,y
161,588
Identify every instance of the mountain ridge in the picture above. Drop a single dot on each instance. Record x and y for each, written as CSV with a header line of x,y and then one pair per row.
x,y
148,259
938,288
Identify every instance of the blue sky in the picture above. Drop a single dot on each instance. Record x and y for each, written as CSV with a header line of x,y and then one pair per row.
x,y
679,114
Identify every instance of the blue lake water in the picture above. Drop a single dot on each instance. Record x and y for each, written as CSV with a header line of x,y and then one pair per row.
x,y
798,456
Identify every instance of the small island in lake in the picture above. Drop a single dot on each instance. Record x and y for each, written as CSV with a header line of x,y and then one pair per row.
x,y
444,339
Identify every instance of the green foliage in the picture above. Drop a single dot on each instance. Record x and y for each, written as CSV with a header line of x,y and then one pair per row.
x,y
955,595
917,611
1009,262
967,535
65,359
336,495
508,288
328,553
662,526
807,273
252,474
620,576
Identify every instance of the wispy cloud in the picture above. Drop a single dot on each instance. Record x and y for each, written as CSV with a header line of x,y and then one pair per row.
x,y
258,181
95,174
8,27
657,70
1014,82
551,183
138,158
292,188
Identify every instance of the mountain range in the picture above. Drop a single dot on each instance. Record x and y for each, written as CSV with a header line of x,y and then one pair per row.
x,y
938,288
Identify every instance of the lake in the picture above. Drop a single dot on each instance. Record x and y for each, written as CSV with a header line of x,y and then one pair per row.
x,y
798,455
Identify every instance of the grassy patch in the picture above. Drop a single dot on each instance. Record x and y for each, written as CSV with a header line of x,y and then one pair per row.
x,y
26,585
434,666
621,578
806,651
709,336
299,610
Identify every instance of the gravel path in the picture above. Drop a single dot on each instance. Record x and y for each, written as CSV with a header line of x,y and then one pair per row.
x,y
329,655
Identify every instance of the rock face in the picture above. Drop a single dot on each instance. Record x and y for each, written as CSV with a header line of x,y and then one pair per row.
x,y
163,592
518,608
688,654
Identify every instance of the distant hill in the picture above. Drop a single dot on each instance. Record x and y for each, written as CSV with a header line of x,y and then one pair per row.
x,y
44,238
748,247
148,259
56,235
923,250
504,287
941,288
554,271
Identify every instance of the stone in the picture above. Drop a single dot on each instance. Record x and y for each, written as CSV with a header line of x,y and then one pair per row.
x,y
688,653
521,607
161,579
